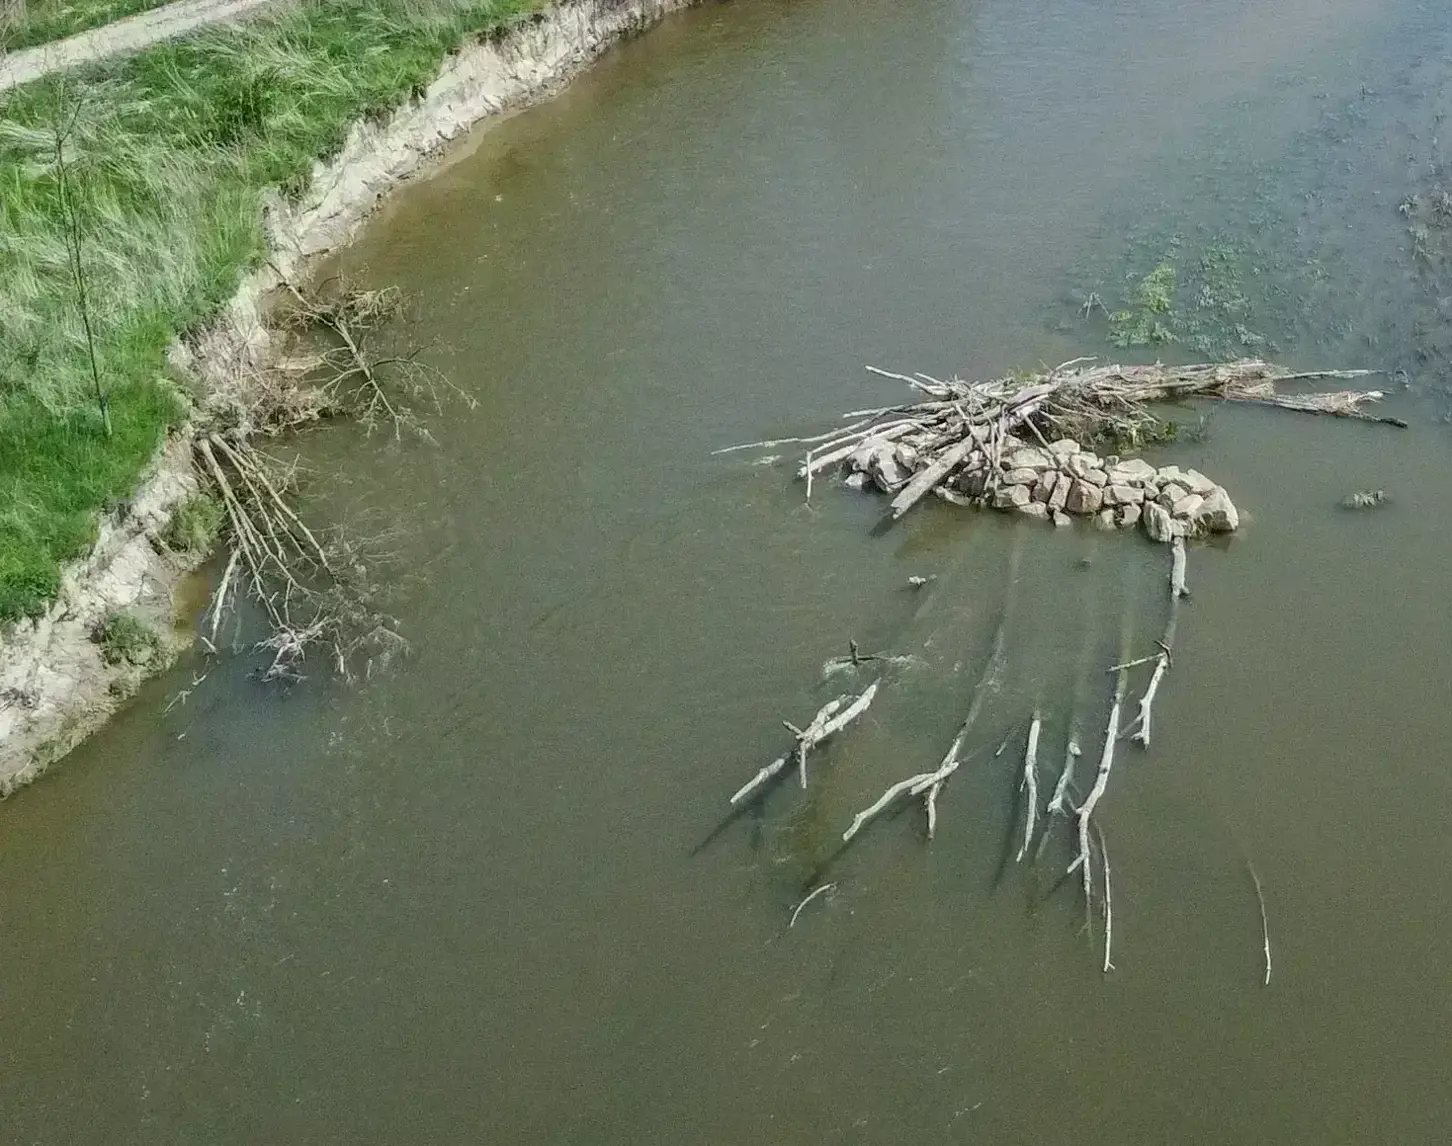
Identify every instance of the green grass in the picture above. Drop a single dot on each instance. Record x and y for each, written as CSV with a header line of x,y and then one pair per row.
x,y
167,157
26,23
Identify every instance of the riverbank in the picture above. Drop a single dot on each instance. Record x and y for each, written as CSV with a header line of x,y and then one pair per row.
x,y
55,683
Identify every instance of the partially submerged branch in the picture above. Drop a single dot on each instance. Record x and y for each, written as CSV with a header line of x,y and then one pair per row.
x,y
830,719
1030,785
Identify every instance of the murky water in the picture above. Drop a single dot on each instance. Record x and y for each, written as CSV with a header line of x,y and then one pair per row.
x,y
484,897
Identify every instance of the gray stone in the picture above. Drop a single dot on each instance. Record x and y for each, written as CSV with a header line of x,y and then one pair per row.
x,y
1180,528
1010,496
1059,497
1104,520
1061,518
1171,474
1196,482
1030,459
1084,498
1129,515
1135,471
1021,477
1064,448
1170,494
1122,495
1217,513
1097,476
857,480
1187,506
1081,463
1157,522
1034,509
886,470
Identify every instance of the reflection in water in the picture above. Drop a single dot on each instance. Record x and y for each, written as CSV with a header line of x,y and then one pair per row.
x,y
469,902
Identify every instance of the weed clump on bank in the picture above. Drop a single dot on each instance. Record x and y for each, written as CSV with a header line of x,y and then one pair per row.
x,y
126,639
166,156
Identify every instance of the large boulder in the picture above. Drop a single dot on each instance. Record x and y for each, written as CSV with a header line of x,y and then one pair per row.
x,y
1030,459
1010,496
1157,522
1129,515
1064,448
1084,497
1133,471
1025,476
1081,463
1035,509
1170,494
1059,495
1187,506
1122,495
1217,513
1196,482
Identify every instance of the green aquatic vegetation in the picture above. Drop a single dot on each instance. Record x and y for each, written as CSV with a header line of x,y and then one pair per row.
x,y
1195,299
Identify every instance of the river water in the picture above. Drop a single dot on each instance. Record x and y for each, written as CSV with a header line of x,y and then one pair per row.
x,y
491,894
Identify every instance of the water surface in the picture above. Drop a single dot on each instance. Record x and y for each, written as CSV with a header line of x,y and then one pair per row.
x,y
483,897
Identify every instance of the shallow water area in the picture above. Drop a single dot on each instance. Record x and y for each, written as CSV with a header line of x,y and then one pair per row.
x,y
488,895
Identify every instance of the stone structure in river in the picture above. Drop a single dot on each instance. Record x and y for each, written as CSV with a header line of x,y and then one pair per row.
x,y
1063,480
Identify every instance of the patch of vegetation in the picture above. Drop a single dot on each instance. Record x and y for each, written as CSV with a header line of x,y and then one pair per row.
x,y
164,156
26,23
126,639
194,524
1192,298
1146,321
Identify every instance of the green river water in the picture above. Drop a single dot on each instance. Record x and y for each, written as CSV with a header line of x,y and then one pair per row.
x,y
488,895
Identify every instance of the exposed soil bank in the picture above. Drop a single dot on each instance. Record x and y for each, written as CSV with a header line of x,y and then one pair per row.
x,y
55,687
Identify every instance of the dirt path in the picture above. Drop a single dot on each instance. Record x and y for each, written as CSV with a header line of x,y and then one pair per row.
x,y
128,35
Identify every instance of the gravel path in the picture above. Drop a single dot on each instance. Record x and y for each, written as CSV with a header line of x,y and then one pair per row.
x,y
128,35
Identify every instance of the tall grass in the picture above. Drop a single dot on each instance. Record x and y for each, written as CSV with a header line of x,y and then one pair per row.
x,y
169,154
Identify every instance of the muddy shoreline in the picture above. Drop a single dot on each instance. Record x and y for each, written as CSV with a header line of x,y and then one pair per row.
x,y
55,688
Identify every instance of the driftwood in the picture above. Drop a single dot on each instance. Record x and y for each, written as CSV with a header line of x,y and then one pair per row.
x,y
830,719
1177,568
1264,923
1030,785
929,784
955,422
1163,660
1108,903
826,887
1085,860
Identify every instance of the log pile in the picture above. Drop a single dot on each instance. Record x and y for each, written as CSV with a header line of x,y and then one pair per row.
x,y
1014,444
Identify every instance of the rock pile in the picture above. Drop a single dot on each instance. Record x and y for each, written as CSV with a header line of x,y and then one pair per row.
x,y
1065,480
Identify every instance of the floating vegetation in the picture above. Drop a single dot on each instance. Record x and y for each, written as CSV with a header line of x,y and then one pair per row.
x,y
1192,298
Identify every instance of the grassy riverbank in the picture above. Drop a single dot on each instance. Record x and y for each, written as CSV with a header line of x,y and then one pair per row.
x,y
164,158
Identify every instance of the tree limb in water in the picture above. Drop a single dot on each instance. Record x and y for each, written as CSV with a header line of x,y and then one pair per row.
x,y
1030,785
830,719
